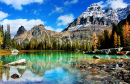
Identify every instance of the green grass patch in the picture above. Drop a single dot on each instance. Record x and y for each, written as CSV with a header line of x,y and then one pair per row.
x,y
5,52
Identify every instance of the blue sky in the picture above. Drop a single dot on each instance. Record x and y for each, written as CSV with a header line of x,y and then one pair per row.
x,y
54,14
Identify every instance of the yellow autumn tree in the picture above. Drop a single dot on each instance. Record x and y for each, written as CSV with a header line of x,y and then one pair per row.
x,y
77,45
109,33
115,40
43,46
95,41
1,39
126,33
32,45
118,41
51,46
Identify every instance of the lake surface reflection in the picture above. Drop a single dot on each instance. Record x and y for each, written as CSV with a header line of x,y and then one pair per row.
x,y
45,68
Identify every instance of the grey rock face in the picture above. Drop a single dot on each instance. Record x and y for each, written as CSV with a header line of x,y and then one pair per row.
x,y
123,12
37,32
20,31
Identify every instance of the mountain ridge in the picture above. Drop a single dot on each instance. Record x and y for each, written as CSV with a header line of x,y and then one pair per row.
x,y
39,34
82,28
94,15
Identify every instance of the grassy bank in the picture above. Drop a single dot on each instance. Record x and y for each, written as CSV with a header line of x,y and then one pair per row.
x,y
8,52
5,52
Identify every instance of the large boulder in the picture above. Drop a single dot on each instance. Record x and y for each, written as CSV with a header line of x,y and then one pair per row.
x,y
96,57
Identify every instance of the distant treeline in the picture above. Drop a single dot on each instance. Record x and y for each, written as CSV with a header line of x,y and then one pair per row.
x,y
55,46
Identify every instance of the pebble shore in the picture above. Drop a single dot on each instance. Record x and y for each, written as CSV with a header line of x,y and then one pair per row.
x,y
102,71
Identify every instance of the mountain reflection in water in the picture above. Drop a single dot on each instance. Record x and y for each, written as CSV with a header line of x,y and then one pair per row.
x,y
49,68
43,67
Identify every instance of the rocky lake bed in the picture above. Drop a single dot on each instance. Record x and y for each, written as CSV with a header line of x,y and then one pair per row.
x,y
104,71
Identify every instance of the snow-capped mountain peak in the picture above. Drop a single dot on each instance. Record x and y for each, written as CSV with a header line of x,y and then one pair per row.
x,y
94,15
93,10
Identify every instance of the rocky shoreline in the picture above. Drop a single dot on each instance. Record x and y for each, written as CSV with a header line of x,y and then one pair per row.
x,y
111,51
103,71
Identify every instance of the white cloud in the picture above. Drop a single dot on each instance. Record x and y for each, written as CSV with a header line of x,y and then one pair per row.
x,y
49,28
57,10
113,3
15,24
117,4
59,30
3,15
71,2
101,4
65,19
17,4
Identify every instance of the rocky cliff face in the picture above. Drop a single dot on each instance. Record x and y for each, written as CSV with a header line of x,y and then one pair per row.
x,y
123,12
39,33
94,16
20,31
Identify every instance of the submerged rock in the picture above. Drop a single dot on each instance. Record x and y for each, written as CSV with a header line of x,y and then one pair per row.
x,y
105,72
14,76
96,57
